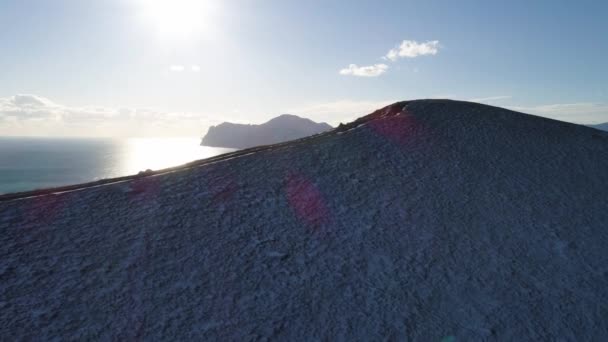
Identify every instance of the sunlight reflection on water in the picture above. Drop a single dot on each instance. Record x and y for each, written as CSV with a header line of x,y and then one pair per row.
x,y
160,153
36,163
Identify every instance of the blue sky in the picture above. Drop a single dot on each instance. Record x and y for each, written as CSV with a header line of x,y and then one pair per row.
x,y
174,67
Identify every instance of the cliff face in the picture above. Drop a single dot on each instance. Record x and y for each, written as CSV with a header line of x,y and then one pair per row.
x,y
282,128
422,221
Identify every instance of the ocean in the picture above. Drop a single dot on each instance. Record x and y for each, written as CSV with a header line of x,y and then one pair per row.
x,y
37,163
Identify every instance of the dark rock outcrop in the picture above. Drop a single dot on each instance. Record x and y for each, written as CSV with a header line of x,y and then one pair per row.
x,y
282,128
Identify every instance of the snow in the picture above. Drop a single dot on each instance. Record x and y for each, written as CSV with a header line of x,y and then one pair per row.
x,y
432,220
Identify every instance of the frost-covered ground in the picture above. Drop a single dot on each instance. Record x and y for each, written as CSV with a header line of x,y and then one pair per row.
x,y
441,220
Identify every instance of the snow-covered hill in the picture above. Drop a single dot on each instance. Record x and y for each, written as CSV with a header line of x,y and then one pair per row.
x,y
422,221
280,129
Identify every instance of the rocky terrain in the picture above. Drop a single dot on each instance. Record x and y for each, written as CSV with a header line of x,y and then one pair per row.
x,y
280,129
426,220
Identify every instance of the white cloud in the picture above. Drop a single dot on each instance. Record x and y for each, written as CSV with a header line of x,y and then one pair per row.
x,y
34,115
29,107
407,49
413,49
26,100
365,71
195,68
177,68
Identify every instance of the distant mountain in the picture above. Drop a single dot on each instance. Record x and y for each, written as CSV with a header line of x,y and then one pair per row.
x,y
602,126
282,128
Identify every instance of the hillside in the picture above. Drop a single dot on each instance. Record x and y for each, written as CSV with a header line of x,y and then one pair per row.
x,y
603,126
423,220
282,128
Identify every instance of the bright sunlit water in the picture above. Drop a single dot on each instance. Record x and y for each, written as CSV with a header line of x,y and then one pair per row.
x,y
35,163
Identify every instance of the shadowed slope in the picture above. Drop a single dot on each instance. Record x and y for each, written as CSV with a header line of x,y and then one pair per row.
x,y
282,128
422,220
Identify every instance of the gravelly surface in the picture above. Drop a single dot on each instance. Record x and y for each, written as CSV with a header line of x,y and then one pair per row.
x,y
423,221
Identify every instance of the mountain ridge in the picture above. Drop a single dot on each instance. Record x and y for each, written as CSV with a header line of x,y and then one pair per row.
x,y
420,221
393,108
282,128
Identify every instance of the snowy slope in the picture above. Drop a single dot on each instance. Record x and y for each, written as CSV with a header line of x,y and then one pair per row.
x,y
424,220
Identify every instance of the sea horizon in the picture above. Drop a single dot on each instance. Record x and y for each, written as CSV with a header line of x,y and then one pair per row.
x,y
33,163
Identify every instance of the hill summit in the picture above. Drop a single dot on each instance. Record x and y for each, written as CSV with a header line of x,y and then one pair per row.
x,y
424,220
282,128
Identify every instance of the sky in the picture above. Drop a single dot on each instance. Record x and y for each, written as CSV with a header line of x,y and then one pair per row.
x,y
175,67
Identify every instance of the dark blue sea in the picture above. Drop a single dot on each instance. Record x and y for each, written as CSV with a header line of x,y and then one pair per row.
x,y
37,163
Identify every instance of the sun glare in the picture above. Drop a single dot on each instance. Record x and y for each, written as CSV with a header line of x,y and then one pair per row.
x,y
178,17
159,153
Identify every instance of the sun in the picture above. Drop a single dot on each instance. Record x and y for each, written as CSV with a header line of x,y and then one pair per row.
x,y
178,17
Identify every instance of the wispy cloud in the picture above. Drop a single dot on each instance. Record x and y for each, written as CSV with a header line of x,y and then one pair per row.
x,y
35,115
407,49
340,111
195,68
413,49
453,96
25,107
347,110
365,71
443,96
490,98
581,112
